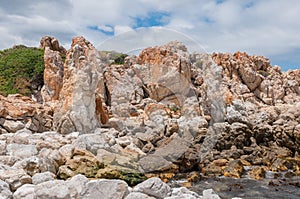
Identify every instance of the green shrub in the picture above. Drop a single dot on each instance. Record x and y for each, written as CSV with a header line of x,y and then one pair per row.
x,y
19,66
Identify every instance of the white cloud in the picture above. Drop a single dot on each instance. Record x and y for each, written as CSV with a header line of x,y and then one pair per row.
x,y
269,27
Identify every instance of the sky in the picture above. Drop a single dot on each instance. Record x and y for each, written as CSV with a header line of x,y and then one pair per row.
x,y
258,27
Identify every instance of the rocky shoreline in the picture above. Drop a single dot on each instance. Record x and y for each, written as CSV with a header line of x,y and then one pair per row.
x,y
102,128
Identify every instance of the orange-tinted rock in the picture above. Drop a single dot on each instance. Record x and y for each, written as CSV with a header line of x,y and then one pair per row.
x,y
78,106
22,109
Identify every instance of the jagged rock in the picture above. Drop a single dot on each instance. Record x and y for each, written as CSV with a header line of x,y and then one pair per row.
x,y
18,110
78,107
166,72
82,74
25,192
154,187
106,189
52,43
268,84
53,75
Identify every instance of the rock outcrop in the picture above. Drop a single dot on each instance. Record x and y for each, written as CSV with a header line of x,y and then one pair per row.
x,y
162,113
79,108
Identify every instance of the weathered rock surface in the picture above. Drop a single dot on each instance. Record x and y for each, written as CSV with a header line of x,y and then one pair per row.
x,y
161,113
18,112
79,104
53,75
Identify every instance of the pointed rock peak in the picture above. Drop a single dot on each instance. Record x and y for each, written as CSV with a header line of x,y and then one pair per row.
x,y
52,43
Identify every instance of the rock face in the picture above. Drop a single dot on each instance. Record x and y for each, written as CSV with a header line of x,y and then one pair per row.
x,y
79,105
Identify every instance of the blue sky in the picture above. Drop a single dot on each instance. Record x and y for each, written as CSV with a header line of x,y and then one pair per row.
x,y
258,27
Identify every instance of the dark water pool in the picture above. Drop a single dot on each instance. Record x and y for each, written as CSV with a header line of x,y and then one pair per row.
x,y
228,188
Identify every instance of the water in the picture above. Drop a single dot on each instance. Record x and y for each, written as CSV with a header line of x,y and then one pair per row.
x,y
246,188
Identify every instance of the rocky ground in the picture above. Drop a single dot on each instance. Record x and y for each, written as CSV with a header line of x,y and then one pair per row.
x,y
102,129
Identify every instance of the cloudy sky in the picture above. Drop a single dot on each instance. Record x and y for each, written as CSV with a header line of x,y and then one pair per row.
x,y
260,27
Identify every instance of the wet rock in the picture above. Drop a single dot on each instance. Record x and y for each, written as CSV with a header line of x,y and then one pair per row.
x,y
234,169
258,173
154,187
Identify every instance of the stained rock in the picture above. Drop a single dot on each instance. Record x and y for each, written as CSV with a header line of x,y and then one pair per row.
x,y
82,74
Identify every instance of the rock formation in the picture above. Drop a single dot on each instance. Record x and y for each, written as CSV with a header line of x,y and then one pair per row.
x,y
162,113
54,70
79,103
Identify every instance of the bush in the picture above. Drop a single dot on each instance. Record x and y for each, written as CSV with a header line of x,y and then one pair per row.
x,y
19,67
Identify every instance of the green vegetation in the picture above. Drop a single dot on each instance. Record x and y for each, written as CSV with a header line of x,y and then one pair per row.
x,y
115,57
19,67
